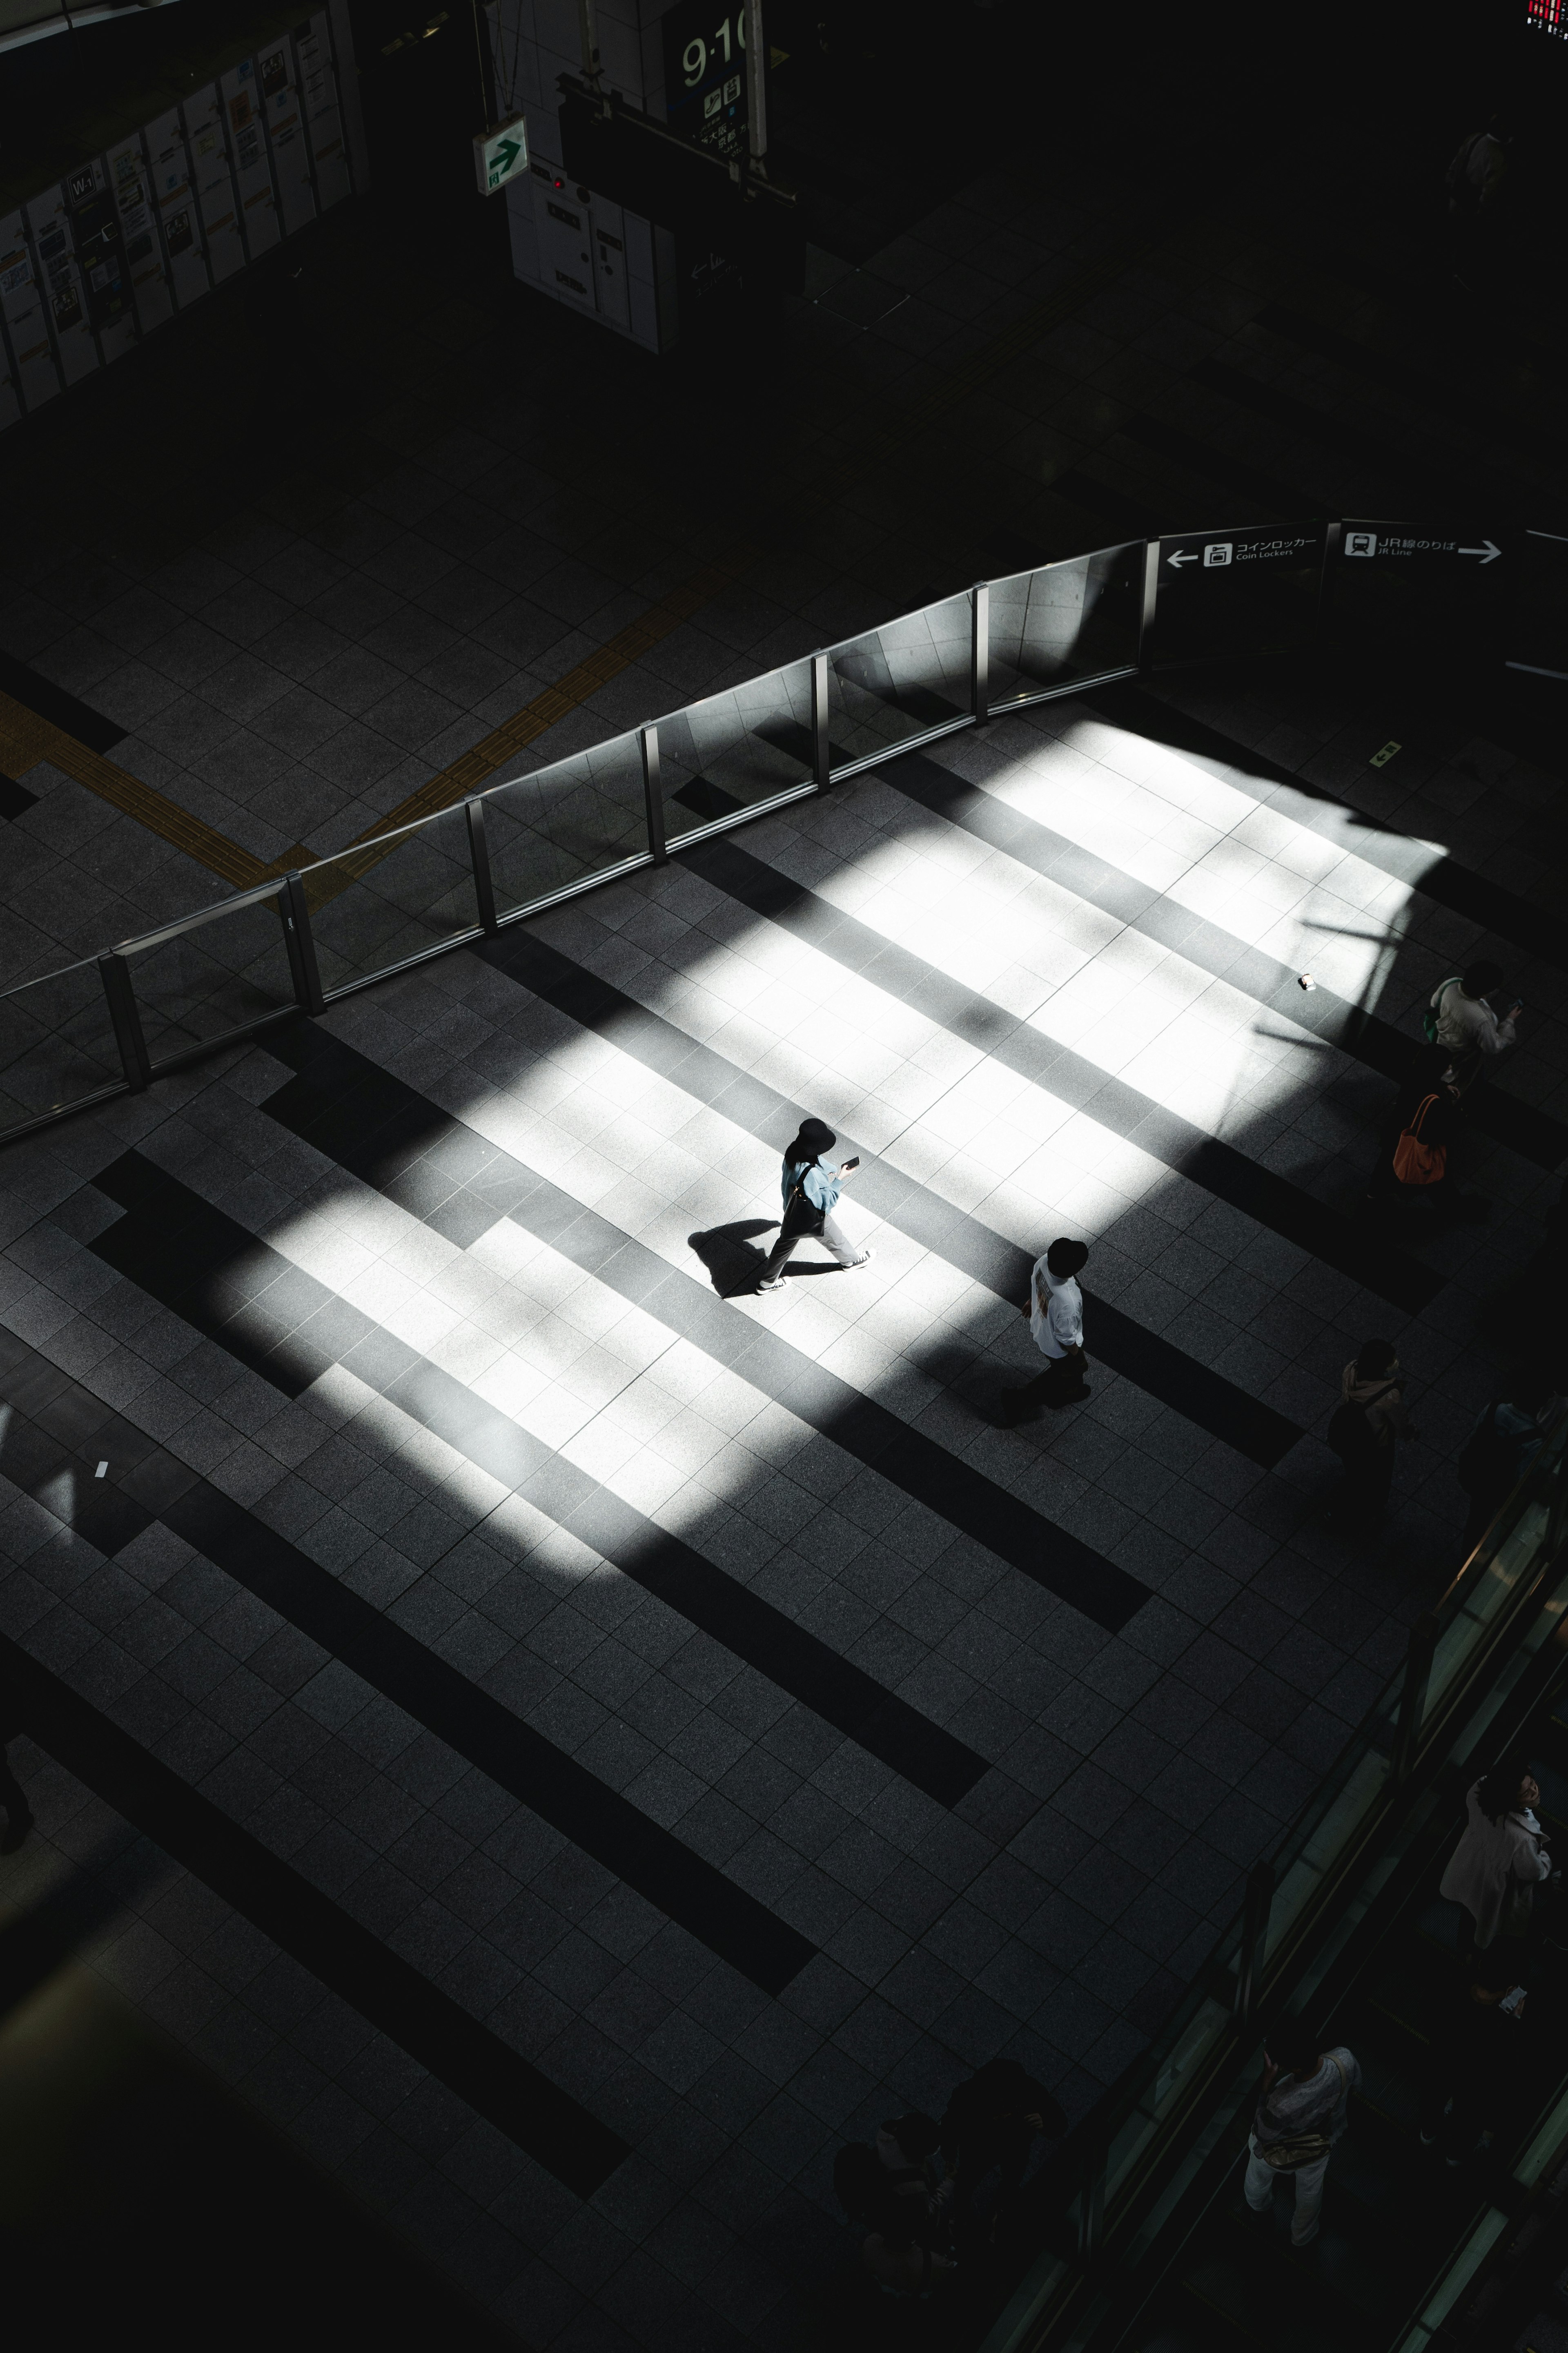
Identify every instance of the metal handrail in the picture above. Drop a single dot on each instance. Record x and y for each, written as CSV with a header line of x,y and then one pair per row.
x,y
296,896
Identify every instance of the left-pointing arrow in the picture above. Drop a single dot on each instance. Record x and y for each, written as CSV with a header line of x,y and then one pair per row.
x,y
1489,553
1190,556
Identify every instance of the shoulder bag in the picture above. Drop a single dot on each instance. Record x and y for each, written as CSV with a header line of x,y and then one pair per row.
x,y
802,1218
1416,1163
1302,2148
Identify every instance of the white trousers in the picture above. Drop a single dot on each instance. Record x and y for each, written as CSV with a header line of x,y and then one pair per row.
x,y
1308,2180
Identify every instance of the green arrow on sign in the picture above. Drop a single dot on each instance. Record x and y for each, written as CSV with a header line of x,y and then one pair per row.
x,y
506,153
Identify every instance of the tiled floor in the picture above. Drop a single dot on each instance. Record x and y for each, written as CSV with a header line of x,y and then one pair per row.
x,y
573,1742
723,1732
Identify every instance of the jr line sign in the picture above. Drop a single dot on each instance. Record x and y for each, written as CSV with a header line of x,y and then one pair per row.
x,y
1392,542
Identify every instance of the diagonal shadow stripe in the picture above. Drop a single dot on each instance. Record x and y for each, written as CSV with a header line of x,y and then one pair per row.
x,y
1391,1273
1441,879
533,2113
1202,1395
170,1222
1361,1035
726,1919
925,1470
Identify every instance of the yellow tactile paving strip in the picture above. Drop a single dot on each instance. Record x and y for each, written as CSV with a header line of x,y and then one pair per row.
x,y
26,739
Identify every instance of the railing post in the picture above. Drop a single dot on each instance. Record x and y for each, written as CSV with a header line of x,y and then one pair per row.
x,y
301,947
115,975
1151,600
479,854
820,755
1332,534
653,794
1254,1931
1413,1693
1092,2202
980,652
1557,1512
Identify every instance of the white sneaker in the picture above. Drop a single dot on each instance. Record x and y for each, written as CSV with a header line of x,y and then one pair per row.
x,y
864,1260
776,1284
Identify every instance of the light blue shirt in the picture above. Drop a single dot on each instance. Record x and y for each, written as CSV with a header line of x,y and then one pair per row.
x,y
821,1187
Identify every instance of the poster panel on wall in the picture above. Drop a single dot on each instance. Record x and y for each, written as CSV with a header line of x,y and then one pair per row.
x,y
49,222
150,292
179,215
213,180
100,257
247,153
279,77
24,307
322,112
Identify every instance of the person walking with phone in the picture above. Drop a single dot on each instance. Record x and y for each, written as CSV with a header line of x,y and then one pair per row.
x,y
1303,2111
1055,1312
811,1184
1461,1019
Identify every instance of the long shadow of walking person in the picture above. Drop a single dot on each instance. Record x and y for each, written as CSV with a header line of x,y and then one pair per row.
x,y
733,1261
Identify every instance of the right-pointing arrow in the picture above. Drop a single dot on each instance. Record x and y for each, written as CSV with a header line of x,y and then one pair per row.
x,y
1489,553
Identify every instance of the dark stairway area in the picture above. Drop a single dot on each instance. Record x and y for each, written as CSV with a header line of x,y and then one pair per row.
x,y
1394,2211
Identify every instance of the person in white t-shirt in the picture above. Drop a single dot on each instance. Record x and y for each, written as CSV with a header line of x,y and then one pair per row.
x,y
1054,1312
1465,1024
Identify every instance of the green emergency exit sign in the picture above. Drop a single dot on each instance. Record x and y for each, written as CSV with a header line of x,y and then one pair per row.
x,y
499,154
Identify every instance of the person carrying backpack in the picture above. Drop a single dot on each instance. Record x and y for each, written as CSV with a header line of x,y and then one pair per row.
x,y
1363,1432
1494,1457
1303,2111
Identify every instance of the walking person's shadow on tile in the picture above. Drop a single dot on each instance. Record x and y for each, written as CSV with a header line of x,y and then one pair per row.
x,y
732,1260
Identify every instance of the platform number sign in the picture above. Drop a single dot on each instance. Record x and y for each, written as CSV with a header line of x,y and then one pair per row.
x,y
705,74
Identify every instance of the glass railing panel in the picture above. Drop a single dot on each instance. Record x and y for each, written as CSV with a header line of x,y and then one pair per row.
x,y
1358,1788
900,683
384,901
224,973
1067,621
1197,2038
564,824
722,756
57,1044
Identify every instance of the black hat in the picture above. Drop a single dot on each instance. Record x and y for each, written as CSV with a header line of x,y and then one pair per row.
x,y
815,1138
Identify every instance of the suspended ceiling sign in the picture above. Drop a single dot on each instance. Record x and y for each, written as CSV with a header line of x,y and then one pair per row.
x,y
1201,551
1383,543
705,73
499,154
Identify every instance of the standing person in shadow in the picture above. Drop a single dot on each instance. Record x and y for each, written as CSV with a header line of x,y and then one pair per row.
x,y
1362,1429
811,1184
1055,1312
988,2133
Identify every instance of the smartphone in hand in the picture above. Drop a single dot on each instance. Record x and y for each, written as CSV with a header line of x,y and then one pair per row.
x,y
845,1166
